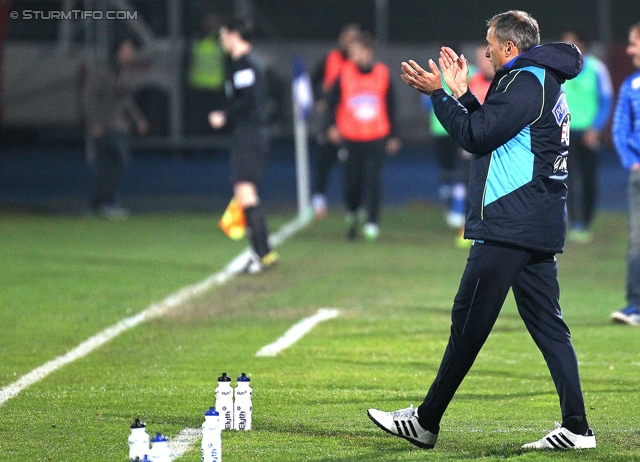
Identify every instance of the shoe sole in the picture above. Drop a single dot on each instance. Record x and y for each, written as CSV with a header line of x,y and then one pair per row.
x,y
420,444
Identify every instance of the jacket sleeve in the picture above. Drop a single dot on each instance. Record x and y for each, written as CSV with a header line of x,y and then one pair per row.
x,y
622,130
516,103
134,110
470,101
333,100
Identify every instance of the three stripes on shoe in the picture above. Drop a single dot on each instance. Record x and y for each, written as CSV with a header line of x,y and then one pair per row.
x,y
401,427
559,441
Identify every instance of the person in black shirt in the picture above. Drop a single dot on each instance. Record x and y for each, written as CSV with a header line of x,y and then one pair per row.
x,y
246,111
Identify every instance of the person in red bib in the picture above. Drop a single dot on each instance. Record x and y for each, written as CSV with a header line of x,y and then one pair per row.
x,y
323,79
362,105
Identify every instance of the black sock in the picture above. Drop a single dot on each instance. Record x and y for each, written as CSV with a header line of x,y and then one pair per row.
x,y
576,424
257,229
435,429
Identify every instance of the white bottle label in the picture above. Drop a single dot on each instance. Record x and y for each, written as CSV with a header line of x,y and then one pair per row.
x,y
211,449
224,405
243,409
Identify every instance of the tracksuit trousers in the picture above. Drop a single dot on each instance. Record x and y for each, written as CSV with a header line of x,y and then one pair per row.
x,y
327,158
363,177
112,155
633,255
492,269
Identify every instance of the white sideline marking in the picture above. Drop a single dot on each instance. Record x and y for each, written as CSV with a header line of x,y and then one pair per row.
x,y
297,331
154,311
184,440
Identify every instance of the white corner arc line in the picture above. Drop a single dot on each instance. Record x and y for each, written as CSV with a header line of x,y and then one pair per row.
x,y
153,311
183,441
297,331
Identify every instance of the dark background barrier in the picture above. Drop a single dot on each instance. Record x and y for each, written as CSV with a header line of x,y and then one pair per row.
x,y
43,62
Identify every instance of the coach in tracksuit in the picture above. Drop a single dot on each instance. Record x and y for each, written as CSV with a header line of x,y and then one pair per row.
x,y
516,211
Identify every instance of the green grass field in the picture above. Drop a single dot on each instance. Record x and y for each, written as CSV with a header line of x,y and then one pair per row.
x,y
64,279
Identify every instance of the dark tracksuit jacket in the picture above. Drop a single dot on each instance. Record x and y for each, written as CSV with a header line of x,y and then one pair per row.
x,y
519,140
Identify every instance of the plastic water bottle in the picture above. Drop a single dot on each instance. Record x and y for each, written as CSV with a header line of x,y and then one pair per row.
x,y
211,437
242,405
138,441
224,401
160,450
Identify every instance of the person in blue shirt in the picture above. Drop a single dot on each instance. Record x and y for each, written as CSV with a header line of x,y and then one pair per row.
x,y
590,97
626,137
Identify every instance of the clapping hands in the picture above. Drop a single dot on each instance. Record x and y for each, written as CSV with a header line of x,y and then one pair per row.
x,y
455,71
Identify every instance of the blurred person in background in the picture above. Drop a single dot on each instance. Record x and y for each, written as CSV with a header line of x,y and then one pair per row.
x,y
361,110
206,76
481,76
453,160
590,97
452,169
626,137
323,80
110,111
246,112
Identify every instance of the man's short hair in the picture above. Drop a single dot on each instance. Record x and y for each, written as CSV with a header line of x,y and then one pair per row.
x,y
242,26
635,27
516,26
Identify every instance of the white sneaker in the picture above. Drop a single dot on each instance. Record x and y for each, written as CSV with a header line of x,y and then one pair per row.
x,y
113,212
561,438
455,219
630,315
371,231
404,423
253,265
319,204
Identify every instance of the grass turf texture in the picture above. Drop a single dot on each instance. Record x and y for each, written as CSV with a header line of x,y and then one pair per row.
x,y
65,279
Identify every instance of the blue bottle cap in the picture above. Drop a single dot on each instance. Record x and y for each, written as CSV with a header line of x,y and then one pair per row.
x,y
244,378
158,438
212,411
138,424
224,378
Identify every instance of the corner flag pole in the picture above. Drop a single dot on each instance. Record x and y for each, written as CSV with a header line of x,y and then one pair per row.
x,y
302,104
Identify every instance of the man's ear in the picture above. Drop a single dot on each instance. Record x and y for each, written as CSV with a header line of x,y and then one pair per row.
x,y
509,47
